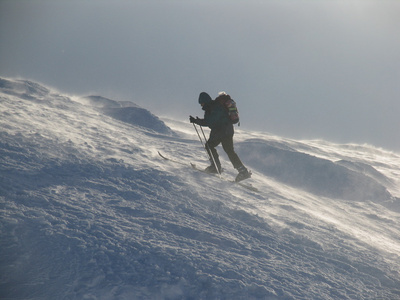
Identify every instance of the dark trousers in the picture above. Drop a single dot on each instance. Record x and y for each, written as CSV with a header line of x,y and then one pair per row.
x,y
227,145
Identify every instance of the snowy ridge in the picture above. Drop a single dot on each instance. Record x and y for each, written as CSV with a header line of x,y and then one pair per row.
x,y
316,175
90,211
126,112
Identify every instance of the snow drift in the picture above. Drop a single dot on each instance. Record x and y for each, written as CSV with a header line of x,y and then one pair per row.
x,y
90,211
316,175
128,112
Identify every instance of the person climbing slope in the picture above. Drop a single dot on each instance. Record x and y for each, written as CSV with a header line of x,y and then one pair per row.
x,y
216,117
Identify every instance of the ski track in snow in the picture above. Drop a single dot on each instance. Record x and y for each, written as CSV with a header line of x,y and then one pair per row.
x,y
90,211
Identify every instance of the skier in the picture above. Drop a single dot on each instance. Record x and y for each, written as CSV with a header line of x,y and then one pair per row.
x,y
217,119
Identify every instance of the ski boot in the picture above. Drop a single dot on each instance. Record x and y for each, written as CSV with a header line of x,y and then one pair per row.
x,y
213,170
243,174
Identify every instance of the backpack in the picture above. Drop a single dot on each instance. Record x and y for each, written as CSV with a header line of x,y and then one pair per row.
x,y
230,106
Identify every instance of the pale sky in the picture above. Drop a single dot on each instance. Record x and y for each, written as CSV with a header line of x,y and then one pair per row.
x,y
325,69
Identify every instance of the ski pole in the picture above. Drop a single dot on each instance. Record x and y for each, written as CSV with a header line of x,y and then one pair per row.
x,y
205,139
209,153
201,141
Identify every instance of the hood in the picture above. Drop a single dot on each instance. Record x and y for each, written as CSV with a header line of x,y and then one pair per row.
x,y
204,98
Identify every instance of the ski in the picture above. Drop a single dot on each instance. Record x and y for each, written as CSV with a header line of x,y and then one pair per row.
x,y
170,159
246,186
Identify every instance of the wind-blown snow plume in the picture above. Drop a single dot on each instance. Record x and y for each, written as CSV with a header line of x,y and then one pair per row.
x,y
88,209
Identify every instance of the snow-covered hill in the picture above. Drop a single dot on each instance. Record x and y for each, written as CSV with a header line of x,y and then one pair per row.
x,y
90,211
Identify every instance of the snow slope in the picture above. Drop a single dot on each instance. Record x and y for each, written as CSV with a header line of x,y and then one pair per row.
x,y
90,211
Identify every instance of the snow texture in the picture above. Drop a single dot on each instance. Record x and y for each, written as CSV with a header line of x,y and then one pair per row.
x,y
90,211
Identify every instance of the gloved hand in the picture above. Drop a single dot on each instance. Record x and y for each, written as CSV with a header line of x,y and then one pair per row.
x,y
193,120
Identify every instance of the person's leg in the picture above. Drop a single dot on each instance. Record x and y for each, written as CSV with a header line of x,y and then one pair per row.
x,y
212,153
227,145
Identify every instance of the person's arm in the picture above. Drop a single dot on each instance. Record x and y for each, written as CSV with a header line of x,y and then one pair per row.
x,y
198,121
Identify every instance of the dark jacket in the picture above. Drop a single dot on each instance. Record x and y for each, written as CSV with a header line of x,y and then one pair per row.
x,y
217,119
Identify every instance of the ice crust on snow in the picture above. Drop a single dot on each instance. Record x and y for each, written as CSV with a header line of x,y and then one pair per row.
x,y
88,209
